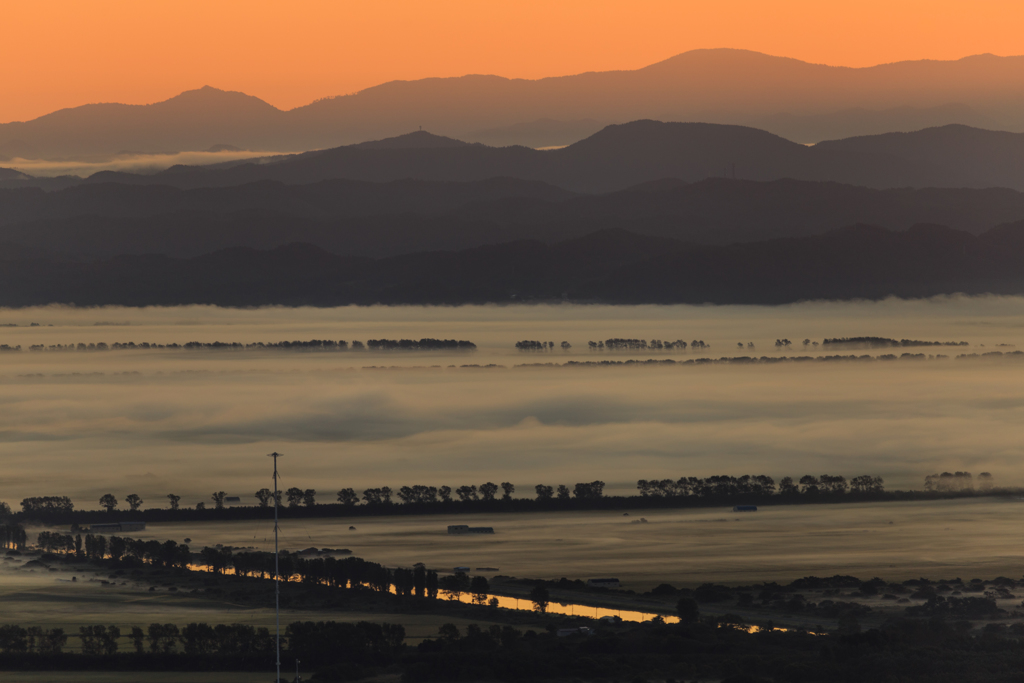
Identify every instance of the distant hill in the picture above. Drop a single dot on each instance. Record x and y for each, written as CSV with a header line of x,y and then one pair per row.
x,y
987,158
801,101
541,133
629,154
386,219
608,266
11,174
194,120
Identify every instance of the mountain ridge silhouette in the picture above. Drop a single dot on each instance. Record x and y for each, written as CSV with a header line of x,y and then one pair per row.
x,y
611,266
718,86
360,218
624,155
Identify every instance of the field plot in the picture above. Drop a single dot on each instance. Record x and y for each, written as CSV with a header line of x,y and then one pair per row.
x,y
895,541
50,599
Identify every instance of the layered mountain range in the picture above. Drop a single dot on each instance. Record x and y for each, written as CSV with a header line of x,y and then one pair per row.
x,y
369,219
610,266
620,156
640,211
803,102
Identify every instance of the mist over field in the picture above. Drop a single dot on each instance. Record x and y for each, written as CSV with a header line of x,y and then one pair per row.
x,y
128,161
154,422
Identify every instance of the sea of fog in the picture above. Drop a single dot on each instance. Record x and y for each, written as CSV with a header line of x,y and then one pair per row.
x,y
127,162
188,422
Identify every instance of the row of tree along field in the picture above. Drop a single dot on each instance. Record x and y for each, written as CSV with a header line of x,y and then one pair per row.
x,y
492,497
615,345
772,360
618,344
334,572
199,646
568,648
688,647
426,344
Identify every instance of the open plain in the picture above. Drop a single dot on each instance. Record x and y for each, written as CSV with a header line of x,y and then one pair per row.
x,y
966,538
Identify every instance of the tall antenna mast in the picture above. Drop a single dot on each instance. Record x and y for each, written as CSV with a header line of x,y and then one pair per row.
x,y
277,571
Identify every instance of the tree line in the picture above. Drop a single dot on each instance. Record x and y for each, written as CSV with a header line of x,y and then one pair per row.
x,y
759,485
958,481
697,648
767,360
617,344
533,345
701,647
425,344
200,646
495,497
347,572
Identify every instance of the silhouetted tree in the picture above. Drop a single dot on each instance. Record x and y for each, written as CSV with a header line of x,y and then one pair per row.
x,y
348,497
594,489
488,490
99,640
419,580
466,493
163,638
479,586
454,583
544,492
309,497
449,633
865,483
138,636
445,492
264,496
381,496
218,500
174,500
563,492
833,483
134,501
294,496
809,484
540,598
108,501
508,489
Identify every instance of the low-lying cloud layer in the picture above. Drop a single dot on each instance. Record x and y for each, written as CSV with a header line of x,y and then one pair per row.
x,y
193,423
128,162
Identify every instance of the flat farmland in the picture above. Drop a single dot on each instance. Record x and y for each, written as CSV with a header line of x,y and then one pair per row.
x,y
49,598
896,541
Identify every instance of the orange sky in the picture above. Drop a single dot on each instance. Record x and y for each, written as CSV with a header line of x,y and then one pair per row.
x,y
60,53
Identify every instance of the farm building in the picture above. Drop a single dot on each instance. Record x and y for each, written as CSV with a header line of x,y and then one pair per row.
x,y
456,529
745,508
